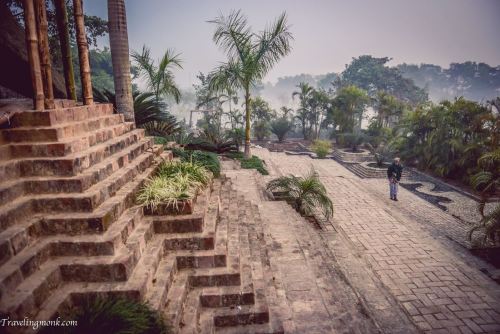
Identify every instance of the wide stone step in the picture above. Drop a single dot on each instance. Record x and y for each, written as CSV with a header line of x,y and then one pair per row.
x,y
60,132
61,115
32,291
76,163
125,163
69,145
101,218
88,203
28,259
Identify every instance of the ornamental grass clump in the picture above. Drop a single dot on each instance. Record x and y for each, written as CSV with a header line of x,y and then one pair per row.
x,y
175,183
321,148
304,193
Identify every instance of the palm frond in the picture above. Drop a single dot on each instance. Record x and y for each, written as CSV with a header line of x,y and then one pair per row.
x,y
273,44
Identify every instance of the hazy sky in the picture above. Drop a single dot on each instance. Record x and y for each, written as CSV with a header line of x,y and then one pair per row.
x,y
327,34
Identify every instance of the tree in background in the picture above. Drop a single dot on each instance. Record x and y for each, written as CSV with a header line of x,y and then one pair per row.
x,y
388,108
159,77
250,56
348,107
372,75
303,113
448,138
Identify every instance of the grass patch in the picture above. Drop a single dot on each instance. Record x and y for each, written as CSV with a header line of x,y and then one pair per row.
x,y
253,163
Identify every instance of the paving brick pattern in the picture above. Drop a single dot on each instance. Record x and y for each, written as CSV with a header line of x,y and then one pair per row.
x,y
441,291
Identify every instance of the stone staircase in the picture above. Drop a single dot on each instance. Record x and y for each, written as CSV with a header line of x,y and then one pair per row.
x,y
349,157
366,172
70,229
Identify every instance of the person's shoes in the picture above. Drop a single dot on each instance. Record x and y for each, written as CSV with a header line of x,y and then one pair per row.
x,y
395,199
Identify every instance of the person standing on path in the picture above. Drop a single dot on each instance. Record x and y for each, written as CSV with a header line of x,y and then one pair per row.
x,y
394,175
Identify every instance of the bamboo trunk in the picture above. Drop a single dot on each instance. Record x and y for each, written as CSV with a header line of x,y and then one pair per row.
x,y
33,56
118,40
83,53
43,47
62,27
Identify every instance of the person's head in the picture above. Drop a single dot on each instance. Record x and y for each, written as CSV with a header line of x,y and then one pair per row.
x,y
397,160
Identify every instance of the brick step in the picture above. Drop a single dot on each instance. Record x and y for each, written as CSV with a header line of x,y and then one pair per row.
x,y
23,208
75,163
27,259
69,145
92,175
59,132
70,165
187,223
127,166
258,311
61,115
101,218
32,291
271,327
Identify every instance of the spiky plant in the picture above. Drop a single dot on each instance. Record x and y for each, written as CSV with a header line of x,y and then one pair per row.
x,y
167,190
487,181
192,170
305,193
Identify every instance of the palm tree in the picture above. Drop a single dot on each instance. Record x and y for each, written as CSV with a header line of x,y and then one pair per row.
x,y
303,113
118,40
159,77
250,56
304,193
286,111
149,113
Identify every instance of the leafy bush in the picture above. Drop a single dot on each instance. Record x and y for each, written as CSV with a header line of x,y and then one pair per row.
x,y
149,112
175,181
213,141
208,160
304,193
261,129
112,316
321,148
280,127
487,181
194,171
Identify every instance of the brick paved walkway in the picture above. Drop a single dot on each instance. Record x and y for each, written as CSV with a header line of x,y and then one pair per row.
x,y
439,288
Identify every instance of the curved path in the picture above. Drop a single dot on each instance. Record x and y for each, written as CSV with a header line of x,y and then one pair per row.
x,y
394,256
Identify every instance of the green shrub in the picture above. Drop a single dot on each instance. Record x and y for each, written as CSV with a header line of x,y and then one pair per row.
x,y
175,181
321,148
194,171
254,163
280,127
112,316
261,129
209,160
304,193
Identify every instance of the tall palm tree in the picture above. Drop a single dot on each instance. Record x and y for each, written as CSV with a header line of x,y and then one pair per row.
x,y
250,56
118,40
303,113
159,77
